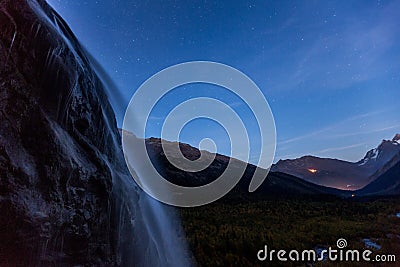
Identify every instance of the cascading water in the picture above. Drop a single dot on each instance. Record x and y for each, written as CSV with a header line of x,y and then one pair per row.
x,y
144,231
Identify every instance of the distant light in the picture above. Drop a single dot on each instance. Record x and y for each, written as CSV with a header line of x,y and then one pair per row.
x,y
312,170
353,195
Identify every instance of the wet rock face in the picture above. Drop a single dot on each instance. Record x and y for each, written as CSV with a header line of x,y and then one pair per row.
x,y
58,145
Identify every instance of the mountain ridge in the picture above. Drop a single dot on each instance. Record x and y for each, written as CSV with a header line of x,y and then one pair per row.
x,y
276,184
343,174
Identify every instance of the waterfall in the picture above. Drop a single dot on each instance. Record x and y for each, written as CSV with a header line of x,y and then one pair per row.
x,y
144,232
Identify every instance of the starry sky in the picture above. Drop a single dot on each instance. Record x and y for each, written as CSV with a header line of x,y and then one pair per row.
x,y
330,70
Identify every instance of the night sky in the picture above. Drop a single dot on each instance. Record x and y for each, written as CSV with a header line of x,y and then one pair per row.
x,y
329,69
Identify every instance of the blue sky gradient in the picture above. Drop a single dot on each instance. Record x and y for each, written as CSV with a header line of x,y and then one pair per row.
x,y
329,69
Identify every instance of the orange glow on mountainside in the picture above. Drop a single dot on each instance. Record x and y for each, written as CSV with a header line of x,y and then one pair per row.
x,y
312,170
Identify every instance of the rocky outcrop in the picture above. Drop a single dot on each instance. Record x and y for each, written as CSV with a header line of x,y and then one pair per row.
x,y
59,148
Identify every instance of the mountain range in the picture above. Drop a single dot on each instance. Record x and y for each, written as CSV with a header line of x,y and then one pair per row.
x,y
343,174
281,183
277,184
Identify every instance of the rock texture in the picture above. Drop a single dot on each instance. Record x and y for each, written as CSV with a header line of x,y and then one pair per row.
x,y
59,147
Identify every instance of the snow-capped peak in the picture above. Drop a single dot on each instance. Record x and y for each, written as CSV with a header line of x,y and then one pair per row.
x,y
396,138
371,155
375,153
383,153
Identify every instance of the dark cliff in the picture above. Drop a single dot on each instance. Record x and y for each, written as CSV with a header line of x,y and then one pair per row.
x,y
59,147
